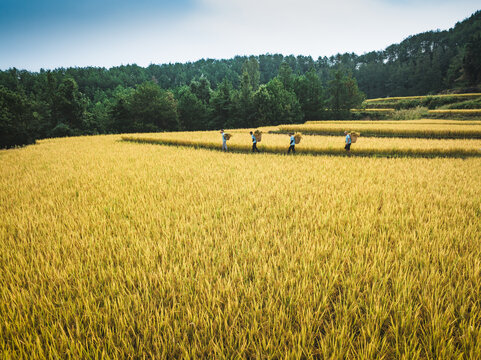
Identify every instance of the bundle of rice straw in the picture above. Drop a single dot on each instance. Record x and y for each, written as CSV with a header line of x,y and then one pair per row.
x,y
297,138
258,135
227,136
354,136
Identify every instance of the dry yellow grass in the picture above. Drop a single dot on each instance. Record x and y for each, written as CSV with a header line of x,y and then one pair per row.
x,y
112,249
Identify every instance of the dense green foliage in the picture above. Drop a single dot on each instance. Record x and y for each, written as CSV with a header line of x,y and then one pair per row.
x,y
239,92
16,119
468,104
60,103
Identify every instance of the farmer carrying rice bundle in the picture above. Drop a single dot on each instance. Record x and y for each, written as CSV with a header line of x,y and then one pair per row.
x,y
254,143
348,141
225,137
292,144
351,137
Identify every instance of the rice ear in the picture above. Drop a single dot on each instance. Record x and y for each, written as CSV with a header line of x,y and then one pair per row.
x,y
354,136
297,137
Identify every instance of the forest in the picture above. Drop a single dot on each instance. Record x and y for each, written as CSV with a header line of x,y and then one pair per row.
x,y
245,91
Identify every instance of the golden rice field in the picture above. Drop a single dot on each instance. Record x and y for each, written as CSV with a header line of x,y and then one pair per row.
x,y
397,122
398,129
278,143
456,111
114,249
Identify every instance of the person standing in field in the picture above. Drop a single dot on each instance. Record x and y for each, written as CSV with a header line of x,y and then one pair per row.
x,y
224,141
348,141
292,145
254,143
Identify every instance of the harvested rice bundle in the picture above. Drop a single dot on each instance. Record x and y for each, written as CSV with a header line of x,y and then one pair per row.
x,y
227,136
297,138
354,136
258,135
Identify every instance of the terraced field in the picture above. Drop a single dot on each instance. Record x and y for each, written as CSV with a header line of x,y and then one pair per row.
x,y
275,140
438,130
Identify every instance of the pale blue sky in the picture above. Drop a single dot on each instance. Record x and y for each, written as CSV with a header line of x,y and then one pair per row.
x,y
55,33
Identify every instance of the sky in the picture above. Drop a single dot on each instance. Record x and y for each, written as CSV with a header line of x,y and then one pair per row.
x,y
48,34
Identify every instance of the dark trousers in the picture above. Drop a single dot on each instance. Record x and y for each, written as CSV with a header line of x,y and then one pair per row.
x,y
347,147
293,148
254,147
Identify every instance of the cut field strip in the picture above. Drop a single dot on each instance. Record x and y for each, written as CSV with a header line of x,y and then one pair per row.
x,y
328,149
373,123
420,131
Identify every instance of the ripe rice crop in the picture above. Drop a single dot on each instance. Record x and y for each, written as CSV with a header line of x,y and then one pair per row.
x,y
467,95
112,249
399,129
397,122
456,111
297,138
278,143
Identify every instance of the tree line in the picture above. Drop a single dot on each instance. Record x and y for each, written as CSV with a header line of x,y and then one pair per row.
x,y
53,106
238,92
